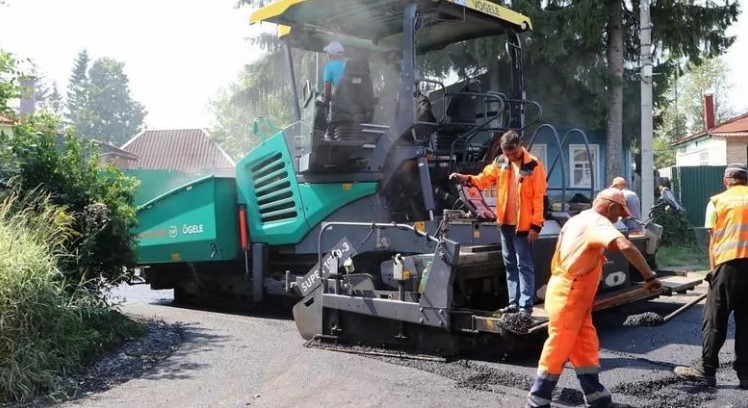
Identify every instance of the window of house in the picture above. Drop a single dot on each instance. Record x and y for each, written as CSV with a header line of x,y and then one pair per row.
x,y
704,157
579,165
541,152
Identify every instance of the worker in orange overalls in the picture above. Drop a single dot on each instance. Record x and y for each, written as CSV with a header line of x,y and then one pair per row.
x,y
727,222
520,190
576,271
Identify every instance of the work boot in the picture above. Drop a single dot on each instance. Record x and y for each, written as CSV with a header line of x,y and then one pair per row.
x,y
696,374
509,309
525,311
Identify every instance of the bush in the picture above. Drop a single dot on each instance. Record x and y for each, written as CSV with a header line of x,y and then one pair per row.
x,y
46,333
677,231
101,201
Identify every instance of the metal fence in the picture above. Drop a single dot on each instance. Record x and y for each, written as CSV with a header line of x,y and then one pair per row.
x,y
693,186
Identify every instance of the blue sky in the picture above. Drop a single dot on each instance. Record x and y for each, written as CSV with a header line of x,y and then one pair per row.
x,y
177,53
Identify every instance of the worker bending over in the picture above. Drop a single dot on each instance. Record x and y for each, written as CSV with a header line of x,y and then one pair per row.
x,y
576,270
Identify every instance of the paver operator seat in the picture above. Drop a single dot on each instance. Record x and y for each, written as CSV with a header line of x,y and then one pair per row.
x,y
352,101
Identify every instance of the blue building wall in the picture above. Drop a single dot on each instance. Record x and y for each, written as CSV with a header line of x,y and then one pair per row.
x,y
545,140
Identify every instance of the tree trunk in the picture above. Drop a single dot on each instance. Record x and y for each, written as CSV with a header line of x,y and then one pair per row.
x,y
614,151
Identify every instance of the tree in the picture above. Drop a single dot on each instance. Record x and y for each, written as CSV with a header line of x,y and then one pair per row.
x,y
683,109
262,90
709,76
48,98
9,74
664,154
106,110
76,95
99,199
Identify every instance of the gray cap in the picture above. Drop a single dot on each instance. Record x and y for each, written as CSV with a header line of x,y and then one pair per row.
x,y
736,170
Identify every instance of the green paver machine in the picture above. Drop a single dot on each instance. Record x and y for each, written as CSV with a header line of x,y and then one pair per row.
x,y
349,211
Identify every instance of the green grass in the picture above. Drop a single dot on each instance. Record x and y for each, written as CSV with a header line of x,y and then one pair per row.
x,y
683,256
46,332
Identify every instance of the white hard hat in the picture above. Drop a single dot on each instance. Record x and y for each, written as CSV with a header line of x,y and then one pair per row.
x,y
334,48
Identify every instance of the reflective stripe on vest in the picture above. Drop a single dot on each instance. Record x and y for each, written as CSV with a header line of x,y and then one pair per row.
x,y
730,235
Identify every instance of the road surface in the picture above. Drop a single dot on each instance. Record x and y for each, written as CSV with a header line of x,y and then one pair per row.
x,y
244,360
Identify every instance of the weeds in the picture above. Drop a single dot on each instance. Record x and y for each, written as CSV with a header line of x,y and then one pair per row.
x,y
683,255
46,332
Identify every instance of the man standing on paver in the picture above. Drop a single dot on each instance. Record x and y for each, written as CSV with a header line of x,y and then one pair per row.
x,y
520,190
576,270
727,223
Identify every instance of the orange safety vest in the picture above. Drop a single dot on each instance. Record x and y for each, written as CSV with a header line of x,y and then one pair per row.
x,y
531,189
730,234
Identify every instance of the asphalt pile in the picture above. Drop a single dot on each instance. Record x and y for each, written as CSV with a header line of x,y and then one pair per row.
x,y
371,351
516,322
669,392
469,375
644,319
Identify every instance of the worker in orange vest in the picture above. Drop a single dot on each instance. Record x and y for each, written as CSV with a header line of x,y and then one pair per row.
x,y
576,270
727,223
520,189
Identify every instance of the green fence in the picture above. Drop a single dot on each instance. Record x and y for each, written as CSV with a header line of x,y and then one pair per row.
x,y
693,186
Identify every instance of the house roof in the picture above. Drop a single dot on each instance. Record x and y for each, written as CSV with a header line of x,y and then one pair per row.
x,y
737,126
4,120
185,150
110,149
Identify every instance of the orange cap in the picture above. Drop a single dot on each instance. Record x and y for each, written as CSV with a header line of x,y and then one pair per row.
x,y
618,181
615,195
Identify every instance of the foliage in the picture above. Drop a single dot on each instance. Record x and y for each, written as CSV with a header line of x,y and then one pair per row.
x,y
685,113
261,90
100,200
109,113
48,98
46,332
9,74
76,95
679,256
664,154
677,231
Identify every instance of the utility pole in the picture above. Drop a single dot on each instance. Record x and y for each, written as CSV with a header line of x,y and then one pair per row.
x,y
647,162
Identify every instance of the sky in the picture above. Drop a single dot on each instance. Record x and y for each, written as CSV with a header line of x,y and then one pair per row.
x,y
179,53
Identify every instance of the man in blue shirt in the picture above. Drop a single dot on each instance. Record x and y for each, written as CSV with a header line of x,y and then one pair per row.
x,y
333,68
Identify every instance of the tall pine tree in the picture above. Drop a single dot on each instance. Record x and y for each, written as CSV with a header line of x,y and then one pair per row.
x,y
76,95
109,112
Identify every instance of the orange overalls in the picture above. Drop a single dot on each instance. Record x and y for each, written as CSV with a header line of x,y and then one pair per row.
x,y
576,272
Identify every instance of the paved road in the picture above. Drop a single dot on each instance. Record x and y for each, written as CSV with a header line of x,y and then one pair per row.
x,y
239,360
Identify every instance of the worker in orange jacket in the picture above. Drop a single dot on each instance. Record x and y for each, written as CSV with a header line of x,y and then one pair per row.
x,y
576,270
520,190
727,223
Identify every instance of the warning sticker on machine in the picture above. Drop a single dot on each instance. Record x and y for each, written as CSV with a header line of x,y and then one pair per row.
x,y
342,250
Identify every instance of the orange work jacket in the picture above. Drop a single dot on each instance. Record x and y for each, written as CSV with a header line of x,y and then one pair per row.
x,y
531,189
730,234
